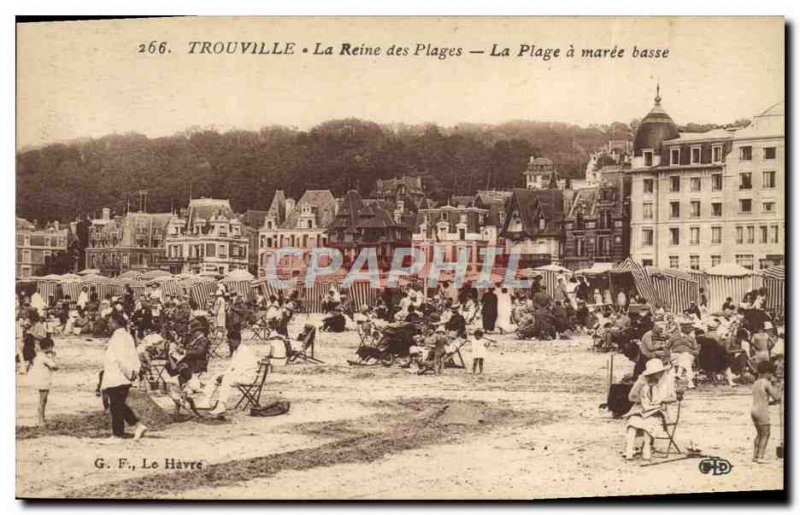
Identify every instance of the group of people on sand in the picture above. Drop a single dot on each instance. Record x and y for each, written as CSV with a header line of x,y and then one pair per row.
x,y
140,329
739,343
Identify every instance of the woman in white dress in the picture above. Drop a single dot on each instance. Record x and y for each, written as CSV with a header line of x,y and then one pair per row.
x,y
504,311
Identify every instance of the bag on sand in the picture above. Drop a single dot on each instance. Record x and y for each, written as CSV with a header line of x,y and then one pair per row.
x,y
271,410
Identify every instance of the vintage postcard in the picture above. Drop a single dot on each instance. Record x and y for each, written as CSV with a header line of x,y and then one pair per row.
x,y
405,258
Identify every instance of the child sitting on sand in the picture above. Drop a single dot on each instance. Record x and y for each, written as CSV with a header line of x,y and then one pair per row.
x,y
763,391
41,374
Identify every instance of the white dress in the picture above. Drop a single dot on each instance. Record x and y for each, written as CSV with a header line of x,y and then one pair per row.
x,y
504,312
41,374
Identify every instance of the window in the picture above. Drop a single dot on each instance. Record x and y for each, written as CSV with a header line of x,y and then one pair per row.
x,y
746,153
675,183
675,156
674,236
694,262
745,205
751,234
694,236
673,262
745,181
774,235
695,155
694,184
764,263
716,209
715,260
647,237
695,212
716,235
740,234
579,247
647,262
768,207
763,234
768,179
745,260
647,210
716,154
769,152
716,182
648,158
647,185
674,209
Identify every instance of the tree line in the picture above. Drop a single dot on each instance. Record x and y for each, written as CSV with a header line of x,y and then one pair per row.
x,y
77,178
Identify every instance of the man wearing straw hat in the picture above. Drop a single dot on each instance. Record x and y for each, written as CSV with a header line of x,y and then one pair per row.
x,y
651,390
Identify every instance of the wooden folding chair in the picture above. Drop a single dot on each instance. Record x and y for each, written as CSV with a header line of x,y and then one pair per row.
x,y
306,354
217,338
251,392
260,329
448,360
670,418
158,369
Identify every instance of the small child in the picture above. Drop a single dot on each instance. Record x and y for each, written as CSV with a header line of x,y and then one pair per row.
x,y
41,375
763,391
479,345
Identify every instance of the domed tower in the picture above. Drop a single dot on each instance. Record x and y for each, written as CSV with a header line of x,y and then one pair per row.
x,y
653,130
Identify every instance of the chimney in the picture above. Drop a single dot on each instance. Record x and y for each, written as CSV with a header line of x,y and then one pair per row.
x,y
55,225
106,213
143,201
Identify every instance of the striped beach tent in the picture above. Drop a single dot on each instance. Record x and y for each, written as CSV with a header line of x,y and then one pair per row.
x,y
202,292
243,288
314,294
362,294
774,280
550,275
644,285
104,286
675,288
729,280
70,286
49,285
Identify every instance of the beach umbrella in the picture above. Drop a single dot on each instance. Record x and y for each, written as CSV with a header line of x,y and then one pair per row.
x,y
89,271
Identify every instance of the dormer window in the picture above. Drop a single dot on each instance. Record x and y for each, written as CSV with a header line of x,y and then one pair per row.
x,y
675,156
648,157
695,155
716,154
542,223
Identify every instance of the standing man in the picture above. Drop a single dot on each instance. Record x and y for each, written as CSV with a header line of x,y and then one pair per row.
x,y
489,310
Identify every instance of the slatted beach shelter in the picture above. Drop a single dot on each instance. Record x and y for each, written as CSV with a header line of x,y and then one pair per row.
x,y
675,288
642,281
729,280
774,280
550,276
49,285
240,281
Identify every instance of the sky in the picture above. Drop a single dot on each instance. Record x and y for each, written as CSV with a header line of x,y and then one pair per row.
x,y
87,79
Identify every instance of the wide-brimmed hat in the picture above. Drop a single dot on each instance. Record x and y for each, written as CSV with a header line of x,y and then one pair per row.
x,y
654,366
767,325
198,324
440,329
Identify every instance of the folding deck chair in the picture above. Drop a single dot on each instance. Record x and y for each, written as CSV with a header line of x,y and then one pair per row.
x,y
157,370
251,392
306,353
260,329
670,418
216,337
452,359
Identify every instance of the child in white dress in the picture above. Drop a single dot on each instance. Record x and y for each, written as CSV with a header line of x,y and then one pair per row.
x,y
41,374
478,350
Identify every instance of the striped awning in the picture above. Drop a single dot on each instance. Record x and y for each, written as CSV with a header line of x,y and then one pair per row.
x,y
643,282
675,288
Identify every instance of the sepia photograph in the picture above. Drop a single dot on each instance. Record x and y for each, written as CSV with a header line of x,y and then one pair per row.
x,y
400,258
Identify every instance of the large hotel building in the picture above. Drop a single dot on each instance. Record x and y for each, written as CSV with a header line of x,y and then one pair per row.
x,y
702,199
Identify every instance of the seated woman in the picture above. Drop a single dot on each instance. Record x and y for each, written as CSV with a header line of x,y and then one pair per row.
x,y
654,387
